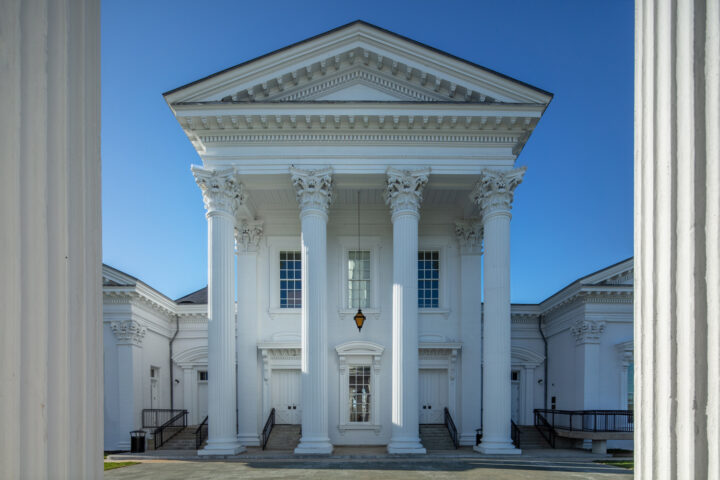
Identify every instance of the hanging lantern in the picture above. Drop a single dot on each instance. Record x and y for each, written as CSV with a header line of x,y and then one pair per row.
x,y
359,319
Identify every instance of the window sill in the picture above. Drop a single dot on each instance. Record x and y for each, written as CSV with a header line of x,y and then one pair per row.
x,y
284,312
445,312
359,426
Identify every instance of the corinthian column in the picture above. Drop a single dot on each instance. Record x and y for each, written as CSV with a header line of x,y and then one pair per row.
x,y
222,193
494,194
403,194
314,194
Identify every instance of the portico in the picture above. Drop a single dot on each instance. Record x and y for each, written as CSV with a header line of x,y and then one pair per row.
x,y
358,170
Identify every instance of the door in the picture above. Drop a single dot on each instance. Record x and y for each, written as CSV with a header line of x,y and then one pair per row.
x,y
433,395
285,396
154,395
515,397
202,393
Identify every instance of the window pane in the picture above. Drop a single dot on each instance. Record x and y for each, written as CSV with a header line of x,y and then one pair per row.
x,y
358,279
290,280
428,279
359,394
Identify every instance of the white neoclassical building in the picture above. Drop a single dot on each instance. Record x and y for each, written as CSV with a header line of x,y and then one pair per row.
x,y
361,170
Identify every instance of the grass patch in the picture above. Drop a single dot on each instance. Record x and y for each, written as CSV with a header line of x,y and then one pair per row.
x,y
114,465
628,464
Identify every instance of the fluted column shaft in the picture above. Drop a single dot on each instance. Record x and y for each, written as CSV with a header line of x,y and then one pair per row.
x,y
494,196
404,195
314,190
222,193
677,239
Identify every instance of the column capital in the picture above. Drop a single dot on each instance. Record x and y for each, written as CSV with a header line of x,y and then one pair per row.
x,y
587,331
494,191
314,189
128,332
469,233
403,190
248,235
221,189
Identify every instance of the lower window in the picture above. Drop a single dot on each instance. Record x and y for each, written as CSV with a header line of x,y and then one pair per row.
x,y
359,385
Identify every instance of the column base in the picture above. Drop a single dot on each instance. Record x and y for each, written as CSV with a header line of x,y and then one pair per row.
x,y
406,447
321,446
497,448
599,446
221,448
467,439
249,439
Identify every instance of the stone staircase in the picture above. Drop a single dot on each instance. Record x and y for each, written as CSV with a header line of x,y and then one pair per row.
x,y
530,438
185,440
436,437
284,438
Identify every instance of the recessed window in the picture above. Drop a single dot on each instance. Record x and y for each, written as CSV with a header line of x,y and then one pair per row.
x,y
202,376
358,279
359,384
290,280
631,386
154,372
514,376
428,279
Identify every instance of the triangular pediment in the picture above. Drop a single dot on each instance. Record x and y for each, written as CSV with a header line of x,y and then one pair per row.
x,y
620,274
358,62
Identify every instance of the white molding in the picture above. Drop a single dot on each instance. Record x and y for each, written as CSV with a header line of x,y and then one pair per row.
x,y
359,353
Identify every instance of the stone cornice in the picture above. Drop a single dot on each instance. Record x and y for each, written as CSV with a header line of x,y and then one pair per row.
x,y
470,236
221,189
493,193
314,189
403,190
128,332
248,236
277,135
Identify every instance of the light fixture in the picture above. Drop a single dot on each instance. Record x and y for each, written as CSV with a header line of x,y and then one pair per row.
x,y
359,317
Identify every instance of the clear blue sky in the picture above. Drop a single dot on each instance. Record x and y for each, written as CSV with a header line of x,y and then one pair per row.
x,y
572,214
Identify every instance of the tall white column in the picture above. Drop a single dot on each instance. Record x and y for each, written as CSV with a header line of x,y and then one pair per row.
x,y
248,236
129,335
677,239
494,194
51,343
314,194
469,234
222,193
403,194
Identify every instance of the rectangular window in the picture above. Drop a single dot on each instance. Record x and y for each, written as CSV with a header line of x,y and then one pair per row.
x,y
428,279
359,382
358,279
202,375
290,280
631,386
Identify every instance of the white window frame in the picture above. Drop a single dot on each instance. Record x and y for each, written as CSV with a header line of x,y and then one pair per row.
x,y
440,246
370,244
275,246
359,354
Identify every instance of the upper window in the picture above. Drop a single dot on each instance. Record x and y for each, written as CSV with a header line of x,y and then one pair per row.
x,y
358,279
359,384
202,375
290,280
428,279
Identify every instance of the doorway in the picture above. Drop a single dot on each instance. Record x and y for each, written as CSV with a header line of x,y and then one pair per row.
x,y
285,396
433,395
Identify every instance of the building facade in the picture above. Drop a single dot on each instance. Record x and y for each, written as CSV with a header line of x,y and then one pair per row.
x,y
360,170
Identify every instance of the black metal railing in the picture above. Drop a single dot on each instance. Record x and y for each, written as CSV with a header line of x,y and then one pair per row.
x,y
156,417
589,420
451,428
267,429
201,433
169,429
545,428
515,434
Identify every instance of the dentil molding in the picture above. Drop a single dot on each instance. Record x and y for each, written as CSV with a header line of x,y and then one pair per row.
x,y
314,188
404,188
587,331
493,193
221,189
470,236
128,332
248,236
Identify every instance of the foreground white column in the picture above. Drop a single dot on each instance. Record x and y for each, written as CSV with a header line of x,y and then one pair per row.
x,y
677,239
248,237
51,343
404,194
494,195
222,193
314,193
469,234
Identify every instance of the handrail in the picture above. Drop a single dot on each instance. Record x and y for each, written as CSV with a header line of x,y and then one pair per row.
x,y
199,437
155,417
267,429
451,428
515,434
589,420
546,430
159,432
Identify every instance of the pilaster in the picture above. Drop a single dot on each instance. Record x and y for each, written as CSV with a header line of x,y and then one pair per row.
x,y
129,335
315,194
403,194
222,195
493,193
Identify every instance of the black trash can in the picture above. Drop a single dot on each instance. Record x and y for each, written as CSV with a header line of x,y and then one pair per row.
x,y
137,441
